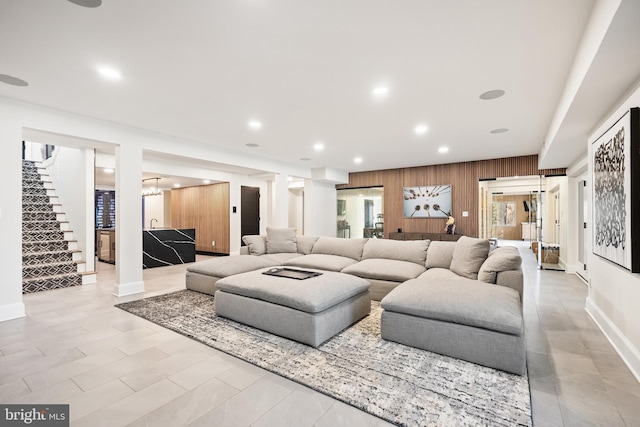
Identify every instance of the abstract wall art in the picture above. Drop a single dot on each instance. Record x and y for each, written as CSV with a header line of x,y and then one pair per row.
x,y
616,192
427,201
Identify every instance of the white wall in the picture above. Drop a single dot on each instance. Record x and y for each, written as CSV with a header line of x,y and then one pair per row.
x,y
34,151
320,208
71,171
11,305
614,294
296,209
154,208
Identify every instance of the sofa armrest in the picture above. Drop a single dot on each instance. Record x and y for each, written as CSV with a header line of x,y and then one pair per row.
x,y
244,250
511,279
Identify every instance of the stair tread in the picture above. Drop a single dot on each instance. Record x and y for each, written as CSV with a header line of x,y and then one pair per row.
x,y
49,264
47,212
53,276
44,242
67,251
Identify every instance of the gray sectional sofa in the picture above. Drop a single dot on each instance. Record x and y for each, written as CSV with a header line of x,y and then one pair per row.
x,y
453,298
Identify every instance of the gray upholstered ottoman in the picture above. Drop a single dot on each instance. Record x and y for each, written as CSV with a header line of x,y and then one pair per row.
x,y
309,311
470,320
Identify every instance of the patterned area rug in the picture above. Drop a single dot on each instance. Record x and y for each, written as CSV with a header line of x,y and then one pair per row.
x,y
400,384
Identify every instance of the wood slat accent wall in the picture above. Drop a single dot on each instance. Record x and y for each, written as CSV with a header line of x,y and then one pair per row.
x,y
205,208
463,178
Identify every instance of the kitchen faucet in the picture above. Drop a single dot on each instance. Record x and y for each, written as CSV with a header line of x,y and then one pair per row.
x,y
151,222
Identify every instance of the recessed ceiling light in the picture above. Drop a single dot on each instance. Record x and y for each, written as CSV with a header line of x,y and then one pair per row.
x,y
10,80
443,149
252,145
206,181
420,129
255,124
109,73
492,94
357,160
318,146
501,130
176,185
87,3
289,178
108,170
380,91
305,159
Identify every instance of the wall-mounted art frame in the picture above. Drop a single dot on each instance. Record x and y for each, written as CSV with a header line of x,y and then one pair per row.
x,y
426,201
616,192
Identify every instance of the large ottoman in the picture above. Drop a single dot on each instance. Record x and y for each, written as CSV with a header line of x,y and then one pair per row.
x,y
466,319
309,311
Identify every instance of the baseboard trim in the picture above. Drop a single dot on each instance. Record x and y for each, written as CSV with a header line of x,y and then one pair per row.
x,y
125,289
11,311
569,268
628,352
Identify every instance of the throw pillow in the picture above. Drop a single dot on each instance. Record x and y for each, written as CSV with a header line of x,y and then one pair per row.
x,y
281,240
468,256
501,259
440,254
257,244
305,244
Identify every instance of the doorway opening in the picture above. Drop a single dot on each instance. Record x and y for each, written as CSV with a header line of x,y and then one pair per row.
x,y
249,211
360,212
520,211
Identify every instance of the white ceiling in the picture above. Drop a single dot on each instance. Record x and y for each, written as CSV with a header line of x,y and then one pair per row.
x,y
201,69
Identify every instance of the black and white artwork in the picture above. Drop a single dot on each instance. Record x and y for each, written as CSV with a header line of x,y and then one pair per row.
x,y
432,201
616,193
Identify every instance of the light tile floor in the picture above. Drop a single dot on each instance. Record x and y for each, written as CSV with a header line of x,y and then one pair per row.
x,y
114,368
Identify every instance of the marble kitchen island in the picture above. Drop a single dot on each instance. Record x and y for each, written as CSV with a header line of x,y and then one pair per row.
x,y
168,246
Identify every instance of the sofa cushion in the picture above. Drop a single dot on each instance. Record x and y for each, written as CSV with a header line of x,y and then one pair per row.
x,y
281,240
350,248
414,251
229,265
305,244
501,259
468,256
440,254
385,269
459,300
281,258
440,274
321,262
257,244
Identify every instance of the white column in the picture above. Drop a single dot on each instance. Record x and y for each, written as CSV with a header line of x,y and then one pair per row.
x,y
11,305
128,221
320,204
280,201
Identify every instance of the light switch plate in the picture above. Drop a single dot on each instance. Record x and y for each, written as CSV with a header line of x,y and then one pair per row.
x,y
465,213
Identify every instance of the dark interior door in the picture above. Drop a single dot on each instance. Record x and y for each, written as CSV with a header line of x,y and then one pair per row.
x,y
249,210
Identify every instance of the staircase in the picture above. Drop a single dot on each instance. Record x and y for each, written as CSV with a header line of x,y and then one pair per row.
x,y
50,256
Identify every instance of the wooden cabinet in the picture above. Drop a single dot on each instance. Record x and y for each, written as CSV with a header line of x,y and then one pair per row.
x,y
529,231
106,242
